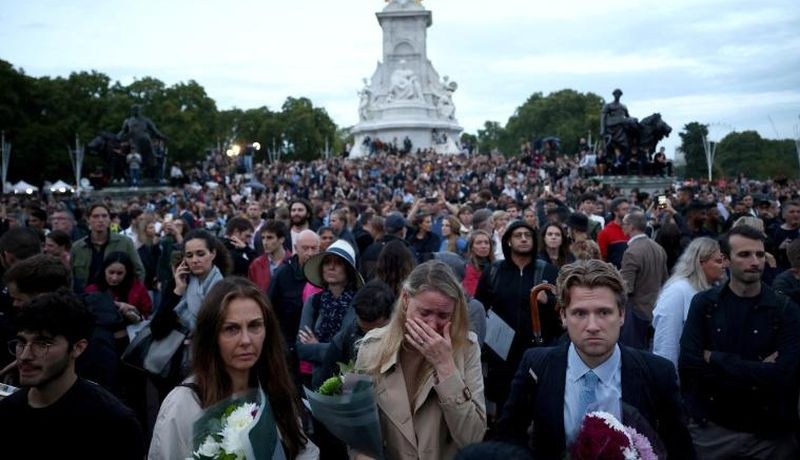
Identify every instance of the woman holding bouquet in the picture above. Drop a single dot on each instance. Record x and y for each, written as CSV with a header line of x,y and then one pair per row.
x,y
237,347
426,368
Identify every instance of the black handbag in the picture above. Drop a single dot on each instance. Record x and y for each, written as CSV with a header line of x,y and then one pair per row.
x,y
157,356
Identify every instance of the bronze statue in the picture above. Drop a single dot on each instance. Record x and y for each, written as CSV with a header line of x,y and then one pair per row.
x,y
137,130
616,125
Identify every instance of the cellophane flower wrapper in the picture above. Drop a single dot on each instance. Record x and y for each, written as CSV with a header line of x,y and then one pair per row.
x,y
352,416
259,441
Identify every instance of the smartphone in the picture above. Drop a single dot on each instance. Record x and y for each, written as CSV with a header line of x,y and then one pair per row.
x,y
547,189
168,218
662,201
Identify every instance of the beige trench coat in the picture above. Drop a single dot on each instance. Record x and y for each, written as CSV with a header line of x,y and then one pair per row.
x,y
446,417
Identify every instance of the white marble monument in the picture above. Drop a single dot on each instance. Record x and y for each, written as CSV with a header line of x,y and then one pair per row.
x,y
406,98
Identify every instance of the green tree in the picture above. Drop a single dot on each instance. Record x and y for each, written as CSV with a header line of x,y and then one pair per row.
x,y
749,153
306,128
469,139
566,114
692,148
490,137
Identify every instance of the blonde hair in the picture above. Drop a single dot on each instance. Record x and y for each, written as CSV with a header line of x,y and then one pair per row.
x,y
689,263
433,275
455,233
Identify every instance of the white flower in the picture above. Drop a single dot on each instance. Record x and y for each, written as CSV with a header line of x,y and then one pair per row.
x,y
242,417
231,442
629,453
209,448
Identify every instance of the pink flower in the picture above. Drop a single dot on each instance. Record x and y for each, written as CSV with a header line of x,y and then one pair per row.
x,y
642,444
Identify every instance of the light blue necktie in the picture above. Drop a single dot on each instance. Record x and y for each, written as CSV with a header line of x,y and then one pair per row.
x,y
587,396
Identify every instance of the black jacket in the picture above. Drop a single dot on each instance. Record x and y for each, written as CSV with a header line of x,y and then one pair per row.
x,y
736,389
286,295
649,385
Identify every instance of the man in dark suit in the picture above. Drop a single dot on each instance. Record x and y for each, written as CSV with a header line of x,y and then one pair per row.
x,y
555,387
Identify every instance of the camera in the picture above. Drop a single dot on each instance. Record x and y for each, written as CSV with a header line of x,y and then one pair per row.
x,y
662,201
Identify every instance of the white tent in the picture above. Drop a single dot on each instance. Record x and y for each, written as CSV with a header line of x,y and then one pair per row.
x,y
61,187
23,187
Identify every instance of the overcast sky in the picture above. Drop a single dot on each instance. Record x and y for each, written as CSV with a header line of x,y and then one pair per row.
x,y
733,64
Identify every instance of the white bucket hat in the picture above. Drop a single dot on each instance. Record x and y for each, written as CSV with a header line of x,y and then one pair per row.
x,y
339,248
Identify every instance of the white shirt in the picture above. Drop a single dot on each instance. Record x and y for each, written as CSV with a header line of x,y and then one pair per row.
x,y
669,316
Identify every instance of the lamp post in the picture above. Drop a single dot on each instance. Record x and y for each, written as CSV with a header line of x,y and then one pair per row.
x,y
76,158
710,147
6,155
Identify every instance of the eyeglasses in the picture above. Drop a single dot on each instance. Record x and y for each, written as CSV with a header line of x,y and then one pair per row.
x,y
520,235
38,348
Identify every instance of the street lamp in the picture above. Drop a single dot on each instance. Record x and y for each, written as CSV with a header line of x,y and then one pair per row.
x,y
233,151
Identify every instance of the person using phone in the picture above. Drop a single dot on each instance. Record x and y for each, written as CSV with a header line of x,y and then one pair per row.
x,y
205,262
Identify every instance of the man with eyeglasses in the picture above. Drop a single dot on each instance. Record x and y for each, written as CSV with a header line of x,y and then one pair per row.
x,y
57,414
504,287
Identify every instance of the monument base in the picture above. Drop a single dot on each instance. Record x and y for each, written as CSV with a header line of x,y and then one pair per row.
x,y
647,184
440,136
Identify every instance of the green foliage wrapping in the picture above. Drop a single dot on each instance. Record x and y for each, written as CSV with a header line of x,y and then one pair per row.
x,y
332,386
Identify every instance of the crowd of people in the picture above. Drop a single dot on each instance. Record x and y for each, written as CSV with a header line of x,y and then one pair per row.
x,y
676,311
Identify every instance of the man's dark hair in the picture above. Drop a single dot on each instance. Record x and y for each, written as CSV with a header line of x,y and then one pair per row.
x,y
374,301
58,313
238,224
21,242
99,205
745,231
39,214
588,196
61,238
306,203
38,274
616,202
275,227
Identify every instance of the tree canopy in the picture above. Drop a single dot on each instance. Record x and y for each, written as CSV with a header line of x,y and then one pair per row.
x,y
746,152
42,116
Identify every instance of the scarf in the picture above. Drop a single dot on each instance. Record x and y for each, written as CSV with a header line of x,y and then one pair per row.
x,y
196,291
331,314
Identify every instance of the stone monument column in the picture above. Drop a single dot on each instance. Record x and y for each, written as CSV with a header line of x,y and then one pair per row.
x,y
406,98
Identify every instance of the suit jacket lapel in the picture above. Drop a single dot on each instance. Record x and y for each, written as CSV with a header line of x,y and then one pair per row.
x,y
631,381
552,380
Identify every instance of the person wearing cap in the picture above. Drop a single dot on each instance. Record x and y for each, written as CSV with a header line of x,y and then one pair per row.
x,y
324,313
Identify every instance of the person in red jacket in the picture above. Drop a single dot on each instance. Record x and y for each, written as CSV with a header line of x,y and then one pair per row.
x,y
129,292
273,235
612,240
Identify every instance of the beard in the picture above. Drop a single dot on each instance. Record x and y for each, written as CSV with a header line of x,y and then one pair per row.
x,y
47,374
299,220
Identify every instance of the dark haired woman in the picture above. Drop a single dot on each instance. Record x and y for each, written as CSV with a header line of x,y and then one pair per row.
x,y
237,347
129,293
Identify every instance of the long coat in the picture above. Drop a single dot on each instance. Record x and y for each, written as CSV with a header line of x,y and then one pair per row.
x,y
445,417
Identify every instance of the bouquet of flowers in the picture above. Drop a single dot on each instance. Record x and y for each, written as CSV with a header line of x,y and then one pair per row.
x,y
603,437
345,404
238,428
